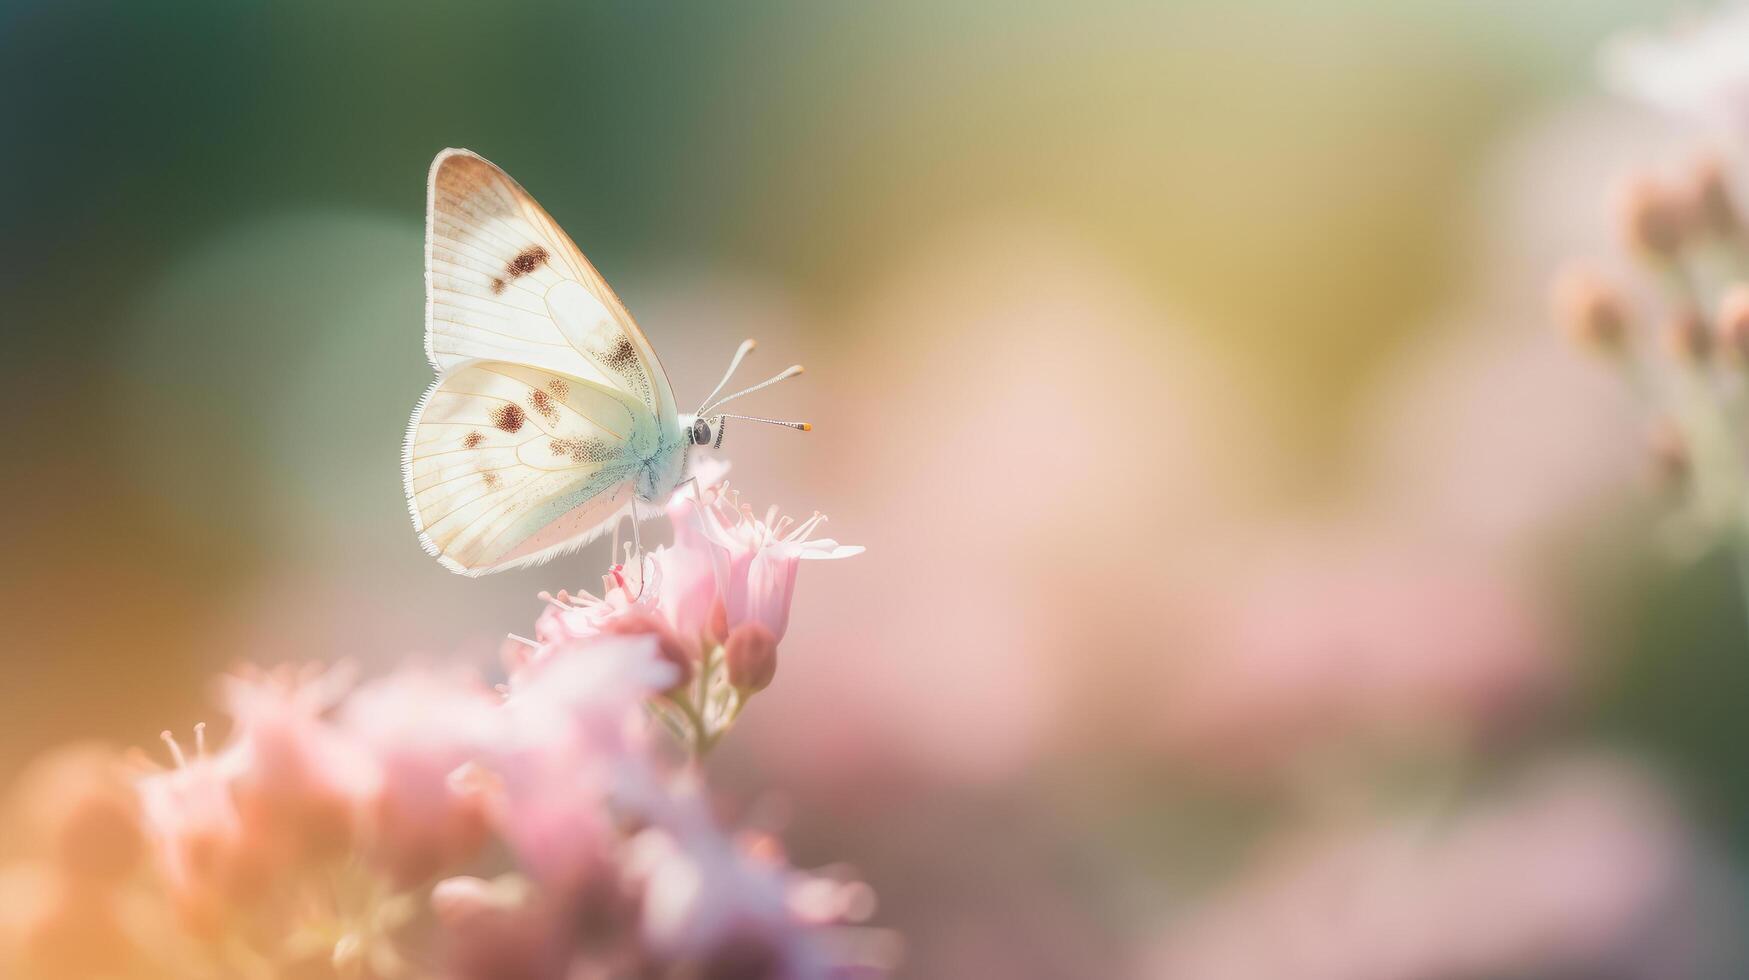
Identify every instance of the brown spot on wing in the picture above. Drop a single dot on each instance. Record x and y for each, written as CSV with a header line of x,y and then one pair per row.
x,y
582,450
526,261
473,439
492,480
559,387
508,417
622,356
497,285
543,403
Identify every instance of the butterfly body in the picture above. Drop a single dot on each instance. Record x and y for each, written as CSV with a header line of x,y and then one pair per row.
x,y
551,418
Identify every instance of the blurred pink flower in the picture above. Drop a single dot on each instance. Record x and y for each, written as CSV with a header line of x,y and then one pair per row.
x,y
498,930
1583,870
298,784
575,752
418,727
756,560
1696,71
707,900
1340,647
587,686
203,853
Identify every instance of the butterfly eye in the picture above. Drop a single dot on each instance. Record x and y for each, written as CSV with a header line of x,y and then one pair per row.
x,y
701,433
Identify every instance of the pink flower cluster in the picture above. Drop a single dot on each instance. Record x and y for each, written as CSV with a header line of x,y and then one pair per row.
x,y
425,824
715,604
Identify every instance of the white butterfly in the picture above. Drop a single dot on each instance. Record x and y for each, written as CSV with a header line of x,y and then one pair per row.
x,y
551,417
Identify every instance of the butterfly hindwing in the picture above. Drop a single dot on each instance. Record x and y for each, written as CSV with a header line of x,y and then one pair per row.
x,y
508,464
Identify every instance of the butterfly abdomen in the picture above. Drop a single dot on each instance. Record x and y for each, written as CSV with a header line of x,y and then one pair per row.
x,y
661,471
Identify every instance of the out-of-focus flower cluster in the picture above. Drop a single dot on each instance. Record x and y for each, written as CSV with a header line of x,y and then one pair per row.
x,y
1577,869
1680,337
424,824
1678,330
1410,804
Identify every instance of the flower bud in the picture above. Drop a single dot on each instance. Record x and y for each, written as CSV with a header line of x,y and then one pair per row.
x,y
1733,323
1709,198
717,628
751,656
1652,219
1686,337
1591,310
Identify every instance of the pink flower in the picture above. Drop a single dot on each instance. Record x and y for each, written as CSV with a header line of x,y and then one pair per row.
x,y
682,508
656,612
756,560
577,743
298,784
498,930
684,583
726,568
707,901
587,685
419,727
204,855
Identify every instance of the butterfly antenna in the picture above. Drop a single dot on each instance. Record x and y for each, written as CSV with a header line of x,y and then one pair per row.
x,y
734,362
784,375
798,426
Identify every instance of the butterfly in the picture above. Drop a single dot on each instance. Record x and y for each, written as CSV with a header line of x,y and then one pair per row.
x,y
551,418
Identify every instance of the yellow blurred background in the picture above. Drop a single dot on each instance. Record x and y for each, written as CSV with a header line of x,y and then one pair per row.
x,y
1183,366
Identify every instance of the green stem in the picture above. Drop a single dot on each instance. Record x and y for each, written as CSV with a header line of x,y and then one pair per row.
x,y
699,742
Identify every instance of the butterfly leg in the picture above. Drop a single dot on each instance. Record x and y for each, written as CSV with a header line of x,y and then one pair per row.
x,y
637,549
637,544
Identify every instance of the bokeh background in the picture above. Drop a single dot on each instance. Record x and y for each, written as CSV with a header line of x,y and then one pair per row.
x,y
1250,565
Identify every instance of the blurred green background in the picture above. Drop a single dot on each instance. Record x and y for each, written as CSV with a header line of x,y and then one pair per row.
x,y
211,297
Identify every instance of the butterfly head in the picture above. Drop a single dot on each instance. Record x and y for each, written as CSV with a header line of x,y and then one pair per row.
x,y
706,427
703,432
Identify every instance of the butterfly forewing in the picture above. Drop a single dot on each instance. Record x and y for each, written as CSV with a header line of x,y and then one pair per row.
x,y
504,282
